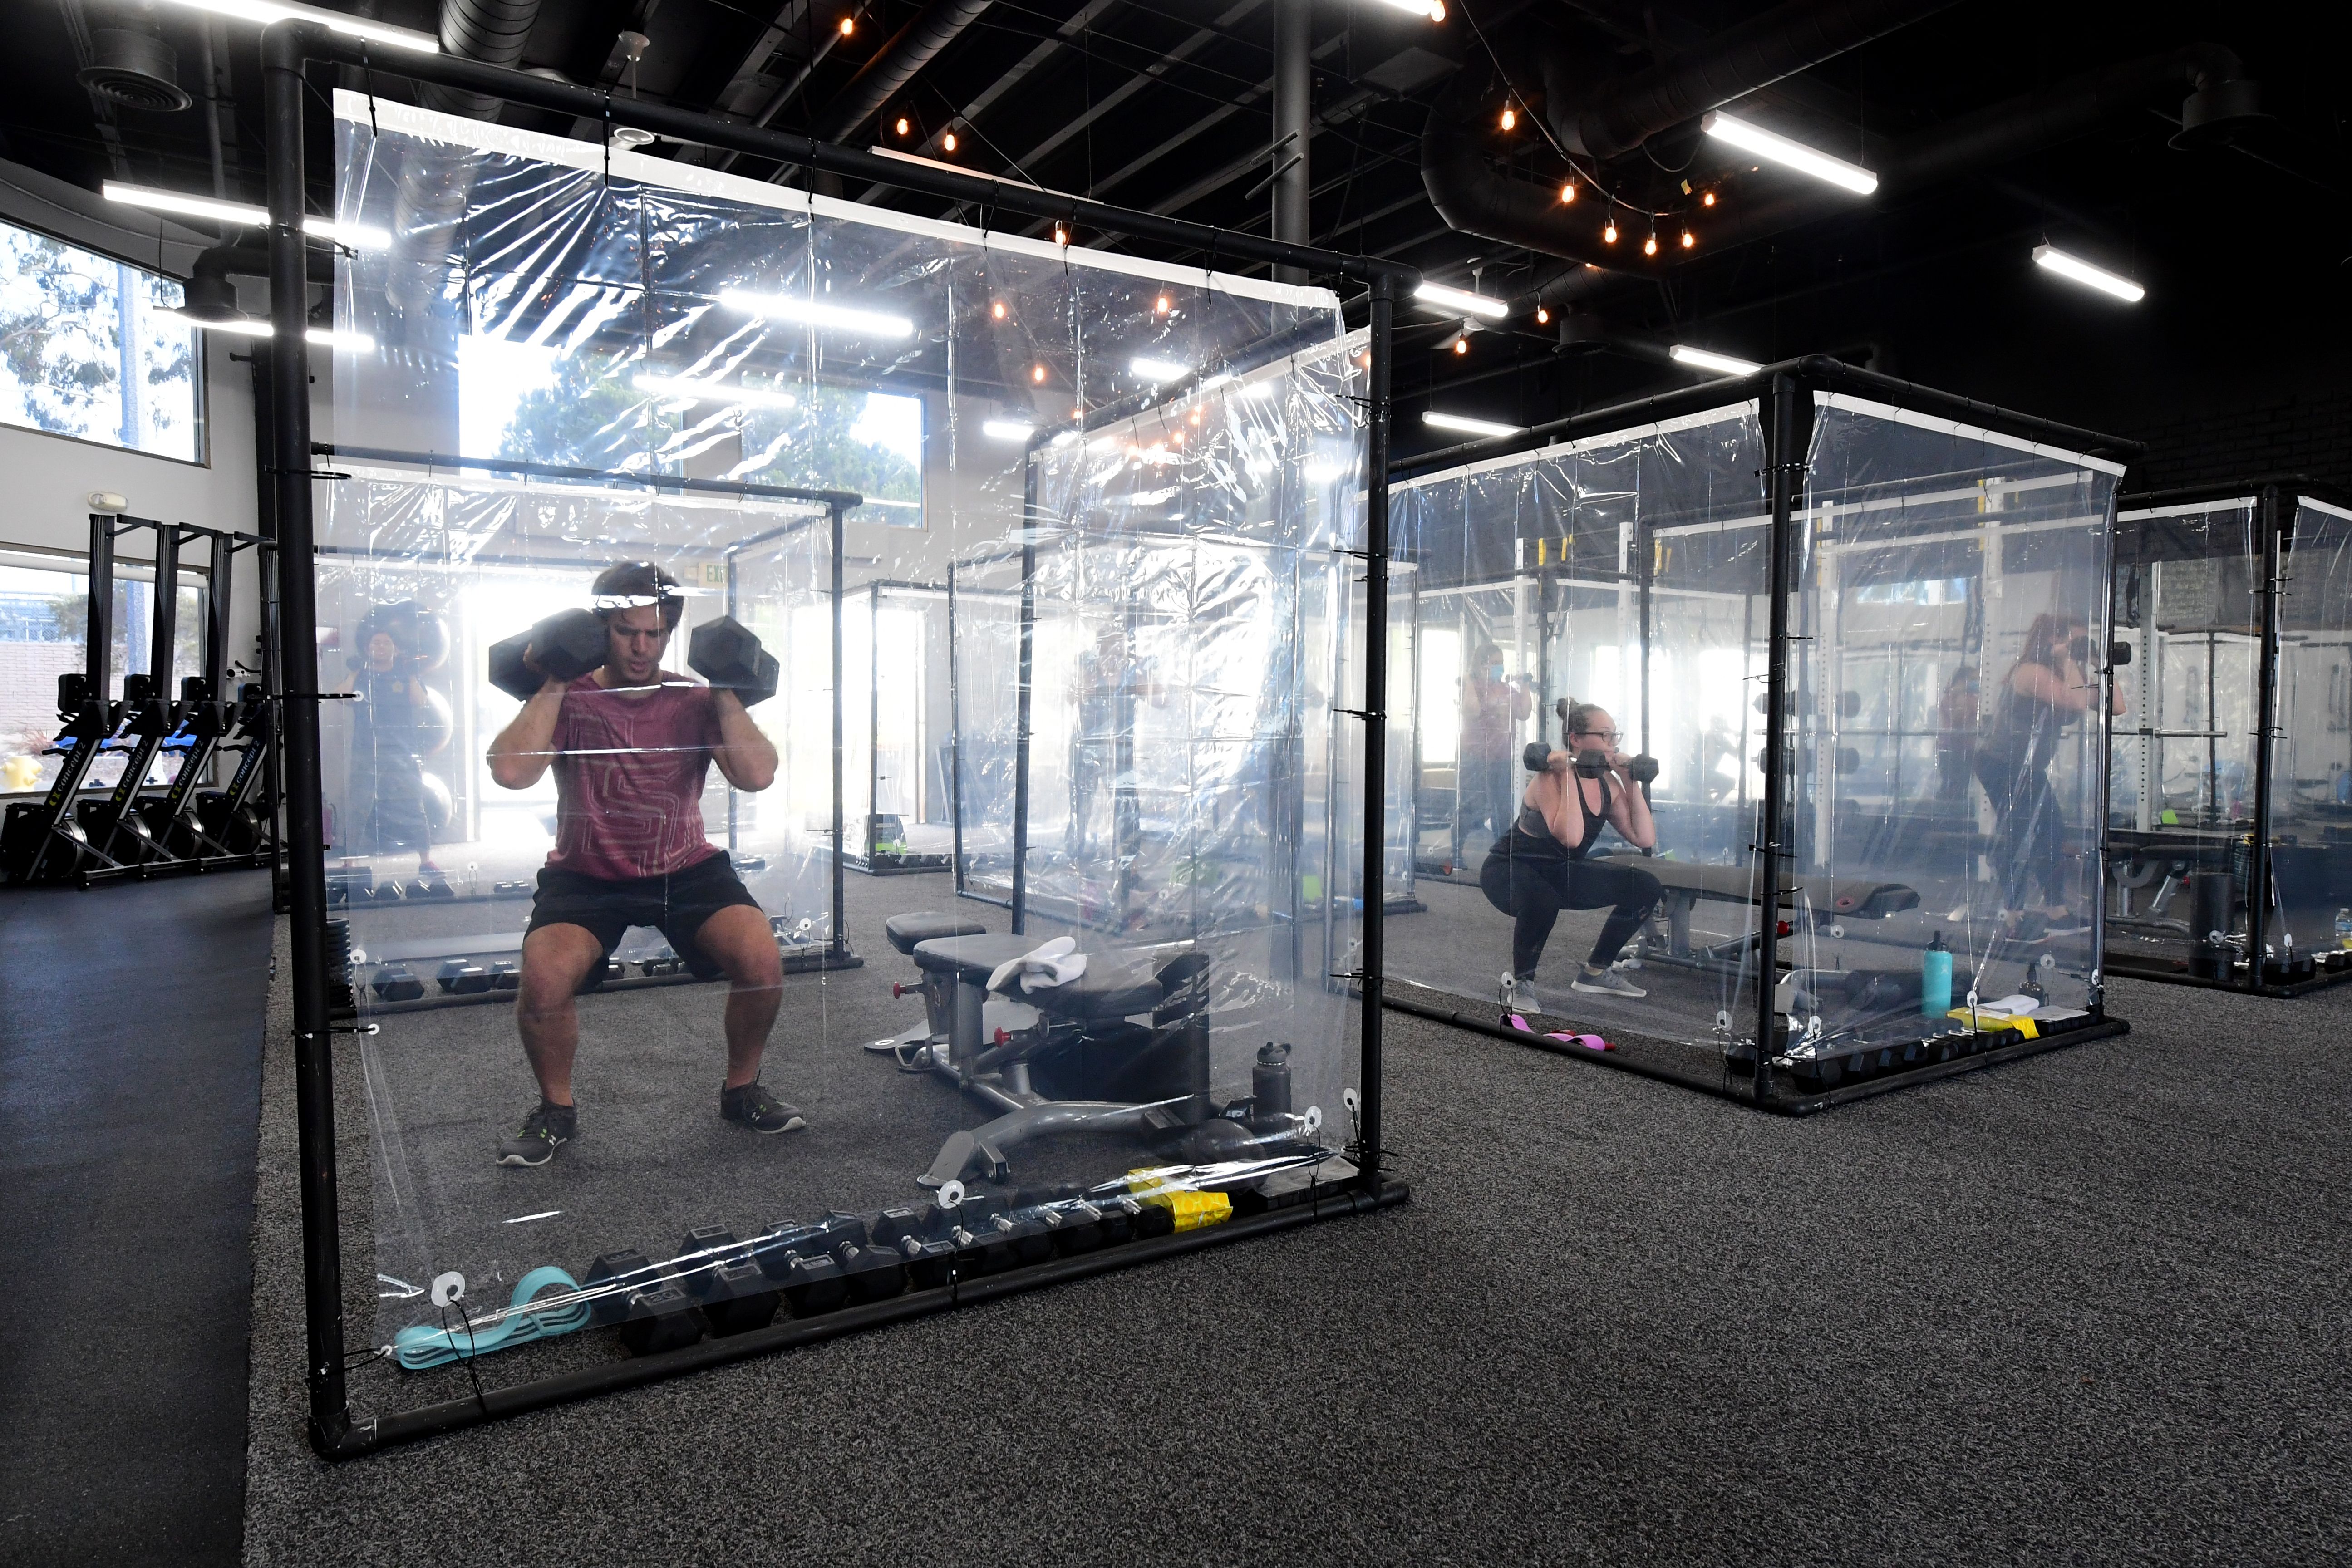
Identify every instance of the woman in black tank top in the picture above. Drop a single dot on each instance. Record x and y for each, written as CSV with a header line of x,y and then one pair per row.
x,y
1544,864
2047,691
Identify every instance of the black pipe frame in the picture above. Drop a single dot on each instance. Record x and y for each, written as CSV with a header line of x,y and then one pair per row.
x,y
288,47
2276,499
1782,397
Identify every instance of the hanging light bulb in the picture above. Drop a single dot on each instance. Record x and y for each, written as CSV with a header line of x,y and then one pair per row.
x,y
997,310
1707,200
1567,193
1037,373
1060,235
1462,344
902,125
1543,317
1510,117
1609,234
948,141
848,25
1162,305
1688,240
1650,246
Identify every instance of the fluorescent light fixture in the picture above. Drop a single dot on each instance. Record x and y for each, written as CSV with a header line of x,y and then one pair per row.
x,y
714,391
1158,370
2081,271
816,314
1461,301
1703,359
264,12
255,327
1468,426
1007,429
241,214
1777,149
1433,9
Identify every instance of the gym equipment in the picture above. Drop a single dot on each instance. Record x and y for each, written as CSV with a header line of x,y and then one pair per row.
x,y
546,1303
907,932
646,1300
725,653
718,1272
564,646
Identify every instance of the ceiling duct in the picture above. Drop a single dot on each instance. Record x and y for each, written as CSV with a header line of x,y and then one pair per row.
x,y
912,48
131,65
437,179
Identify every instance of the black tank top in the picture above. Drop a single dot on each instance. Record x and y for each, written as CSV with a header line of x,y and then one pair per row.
x,y
1532,826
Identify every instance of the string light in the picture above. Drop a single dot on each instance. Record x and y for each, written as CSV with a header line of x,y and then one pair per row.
x,y
997,310
902,125
948,141
848,25
1609,234
1543,317
1688,239
1037,373
1060,235
1161,305
1567,193
1510,117
1707,199
1461,344
1650,246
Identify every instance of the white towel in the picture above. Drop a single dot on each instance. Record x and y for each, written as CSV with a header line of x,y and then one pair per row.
x,y
1057,962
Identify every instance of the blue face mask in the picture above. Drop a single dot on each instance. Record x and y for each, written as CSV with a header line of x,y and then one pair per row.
x,y
1493,672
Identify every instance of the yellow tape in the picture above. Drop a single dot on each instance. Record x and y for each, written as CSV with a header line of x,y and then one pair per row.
x,y
1191,1210
1980,1019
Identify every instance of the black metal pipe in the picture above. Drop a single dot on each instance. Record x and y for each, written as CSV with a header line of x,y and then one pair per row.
x,y
2258,872
840,928
283,48
955,744
912,48
1336,1202
1021,710
1376,720
1783,466
845,499
310,41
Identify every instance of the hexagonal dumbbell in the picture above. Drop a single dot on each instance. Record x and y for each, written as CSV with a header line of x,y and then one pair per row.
x,y
565,646
725,653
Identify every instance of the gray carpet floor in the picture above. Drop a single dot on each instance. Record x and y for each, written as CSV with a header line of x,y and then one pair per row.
x,y
2084,1307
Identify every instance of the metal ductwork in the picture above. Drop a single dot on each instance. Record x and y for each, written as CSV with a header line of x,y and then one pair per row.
x,y
437,180
915,46
1789,38
132,66
2222,102
210,296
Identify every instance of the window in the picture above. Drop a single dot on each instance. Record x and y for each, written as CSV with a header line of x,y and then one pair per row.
x,y
44,617
87,350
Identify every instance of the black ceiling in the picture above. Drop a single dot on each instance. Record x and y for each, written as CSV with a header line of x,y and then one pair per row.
x,y
1166,105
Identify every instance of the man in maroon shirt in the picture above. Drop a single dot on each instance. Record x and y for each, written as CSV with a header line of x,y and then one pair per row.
x,y
631,745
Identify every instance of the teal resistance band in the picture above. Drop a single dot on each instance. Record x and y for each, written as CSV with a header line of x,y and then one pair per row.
x,y
421,1345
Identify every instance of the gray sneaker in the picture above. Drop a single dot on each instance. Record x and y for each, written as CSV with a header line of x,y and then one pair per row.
x,y
758,1109
546,1129
1608,982
1519,996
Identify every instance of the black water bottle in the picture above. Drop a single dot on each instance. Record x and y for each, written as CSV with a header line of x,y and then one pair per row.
x,y
1270,1082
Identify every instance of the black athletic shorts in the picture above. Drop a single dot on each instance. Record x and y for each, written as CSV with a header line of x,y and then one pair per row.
x,y
675,905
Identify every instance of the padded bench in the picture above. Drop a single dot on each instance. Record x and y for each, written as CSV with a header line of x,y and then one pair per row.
x,y
1686,882
1105,991
905,932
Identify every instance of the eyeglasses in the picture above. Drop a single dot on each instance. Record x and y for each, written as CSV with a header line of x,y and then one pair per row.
x,y
1608,736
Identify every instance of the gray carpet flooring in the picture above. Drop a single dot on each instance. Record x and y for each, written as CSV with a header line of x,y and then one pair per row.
x,y
2083,1308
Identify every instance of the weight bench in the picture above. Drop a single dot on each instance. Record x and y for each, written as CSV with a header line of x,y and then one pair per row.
x,y
1685,883
905,932
1074,1058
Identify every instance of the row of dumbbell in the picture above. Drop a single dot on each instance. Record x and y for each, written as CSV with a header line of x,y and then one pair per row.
x,y
722,1285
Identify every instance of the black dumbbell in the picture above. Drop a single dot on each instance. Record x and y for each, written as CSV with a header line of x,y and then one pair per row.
x,y
873,1273
460,978
725,653
1591,765
1643,769
717,1270
654,1312
565,645
394,983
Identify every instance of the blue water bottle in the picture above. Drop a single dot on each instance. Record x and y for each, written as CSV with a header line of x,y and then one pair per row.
x,y
1935,979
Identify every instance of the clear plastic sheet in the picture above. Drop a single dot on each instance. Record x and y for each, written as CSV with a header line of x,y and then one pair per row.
x,y
1936,552
2183,767
2311,776
1099,568
1536,577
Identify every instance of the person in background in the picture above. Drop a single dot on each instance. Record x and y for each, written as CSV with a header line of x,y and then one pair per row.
x,y
1543,864
1493,708
1955,734
387,742
2048,690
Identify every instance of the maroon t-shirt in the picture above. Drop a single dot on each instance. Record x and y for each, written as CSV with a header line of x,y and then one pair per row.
x,y
629,771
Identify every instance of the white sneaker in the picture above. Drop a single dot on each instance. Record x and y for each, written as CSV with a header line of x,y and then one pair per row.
x,y
1608,982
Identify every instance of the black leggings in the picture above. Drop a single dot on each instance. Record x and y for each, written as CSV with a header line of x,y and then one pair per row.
x,y
1532,888
2028,844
